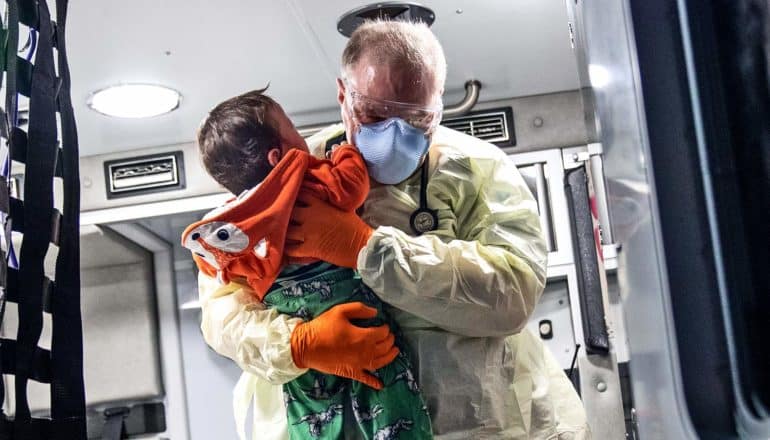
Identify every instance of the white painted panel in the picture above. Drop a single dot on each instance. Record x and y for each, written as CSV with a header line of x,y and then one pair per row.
x,y
210,51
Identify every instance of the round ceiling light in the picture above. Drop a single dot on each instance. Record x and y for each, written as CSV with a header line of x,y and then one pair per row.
x,y
135,100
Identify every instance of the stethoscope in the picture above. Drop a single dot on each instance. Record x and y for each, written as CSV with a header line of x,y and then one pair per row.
x,y
423,219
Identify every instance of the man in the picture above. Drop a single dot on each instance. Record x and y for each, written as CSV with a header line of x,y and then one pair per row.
x,y
457,291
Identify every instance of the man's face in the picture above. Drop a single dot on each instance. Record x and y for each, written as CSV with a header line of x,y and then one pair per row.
x,y
382,82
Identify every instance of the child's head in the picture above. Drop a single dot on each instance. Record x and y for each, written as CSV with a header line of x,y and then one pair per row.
x,y
243,138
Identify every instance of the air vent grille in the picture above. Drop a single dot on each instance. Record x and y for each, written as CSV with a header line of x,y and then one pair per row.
x,y
143,175
495,126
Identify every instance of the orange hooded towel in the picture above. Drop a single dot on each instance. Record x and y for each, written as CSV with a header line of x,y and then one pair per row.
x,y
245,237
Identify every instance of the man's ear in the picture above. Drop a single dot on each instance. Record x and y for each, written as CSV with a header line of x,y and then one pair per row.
x,y
340,91
274,156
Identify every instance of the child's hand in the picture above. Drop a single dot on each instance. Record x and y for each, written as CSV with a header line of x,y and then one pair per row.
x,y
335,147
331,151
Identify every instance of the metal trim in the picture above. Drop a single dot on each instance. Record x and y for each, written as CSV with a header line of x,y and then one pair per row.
x,y
606,36
559,212
154,209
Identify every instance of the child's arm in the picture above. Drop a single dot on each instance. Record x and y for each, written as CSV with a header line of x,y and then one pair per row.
x,y
343,180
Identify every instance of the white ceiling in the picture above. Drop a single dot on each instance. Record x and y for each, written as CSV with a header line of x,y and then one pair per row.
x,y
213,50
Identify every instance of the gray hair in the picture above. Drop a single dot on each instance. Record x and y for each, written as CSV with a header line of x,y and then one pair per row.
x,y
411,48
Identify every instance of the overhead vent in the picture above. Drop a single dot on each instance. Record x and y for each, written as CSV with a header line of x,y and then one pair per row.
x,y
144,175
384,10
494,125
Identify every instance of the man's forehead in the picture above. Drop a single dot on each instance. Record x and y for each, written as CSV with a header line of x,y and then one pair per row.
x,y
390,83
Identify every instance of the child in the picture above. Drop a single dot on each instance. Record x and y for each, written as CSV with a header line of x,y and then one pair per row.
x,y
248,145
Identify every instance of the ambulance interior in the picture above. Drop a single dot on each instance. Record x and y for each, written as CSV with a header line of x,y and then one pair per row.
x,y
553,83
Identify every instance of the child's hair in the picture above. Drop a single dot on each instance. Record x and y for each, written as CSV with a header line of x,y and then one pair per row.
x,y
235,138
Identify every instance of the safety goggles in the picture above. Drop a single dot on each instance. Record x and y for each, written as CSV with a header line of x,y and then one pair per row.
x,y
367,110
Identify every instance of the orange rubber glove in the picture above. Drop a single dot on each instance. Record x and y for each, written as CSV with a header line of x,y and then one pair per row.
x,y
331,344
319,230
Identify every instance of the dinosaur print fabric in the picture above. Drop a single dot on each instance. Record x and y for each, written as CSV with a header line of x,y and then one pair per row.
x,y
316,403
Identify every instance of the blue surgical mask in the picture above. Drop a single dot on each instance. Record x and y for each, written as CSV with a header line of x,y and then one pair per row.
x,y
391,148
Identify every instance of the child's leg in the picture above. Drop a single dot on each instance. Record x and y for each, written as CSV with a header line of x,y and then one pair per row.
x,y
395,412
314,406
